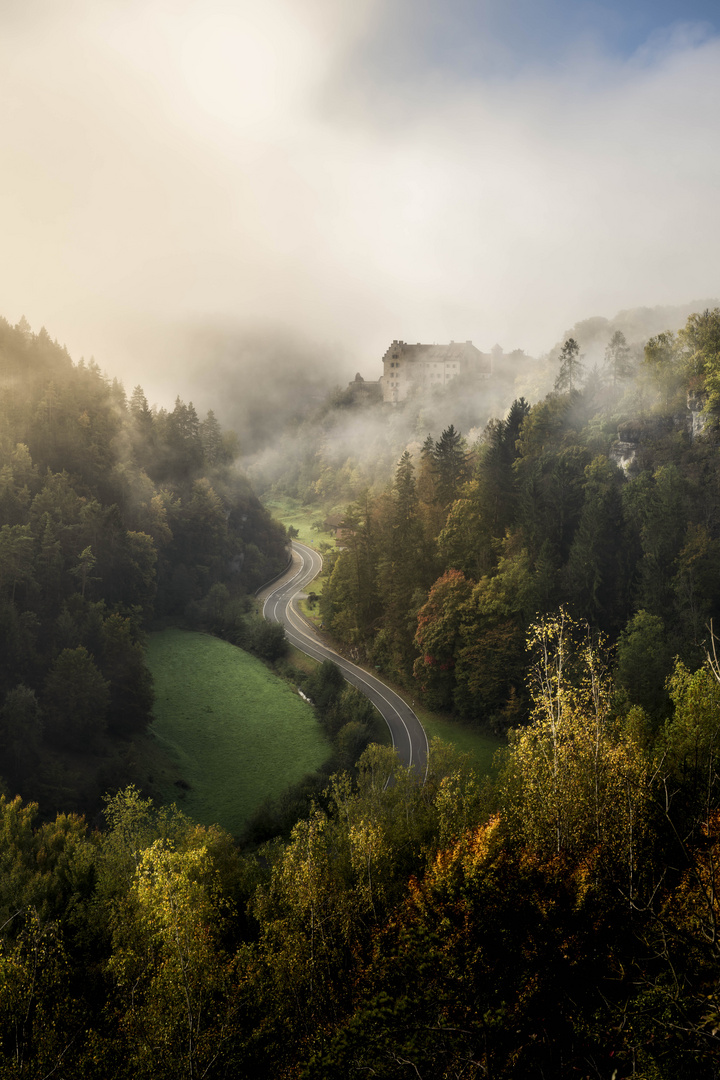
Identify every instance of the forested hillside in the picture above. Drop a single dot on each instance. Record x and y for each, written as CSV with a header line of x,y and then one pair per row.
x,y
603,497
561,923
111,514
333,446
559,920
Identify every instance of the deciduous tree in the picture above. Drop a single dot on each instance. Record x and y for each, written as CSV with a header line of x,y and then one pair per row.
x,y
575,781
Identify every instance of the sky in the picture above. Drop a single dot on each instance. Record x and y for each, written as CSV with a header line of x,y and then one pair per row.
x,y
181,179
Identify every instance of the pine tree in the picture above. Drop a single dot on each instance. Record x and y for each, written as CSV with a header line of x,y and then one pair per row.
x,y
570,365
450,464
211,439
617,358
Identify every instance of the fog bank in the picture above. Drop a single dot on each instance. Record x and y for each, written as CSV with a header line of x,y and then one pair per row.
x,y
348,174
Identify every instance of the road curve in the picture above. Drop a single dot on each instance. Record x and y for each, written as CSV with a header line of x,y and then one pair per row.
x,y
408,734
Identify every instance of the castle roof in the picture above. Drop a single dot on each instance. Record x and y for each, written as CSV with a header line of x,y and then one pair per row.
x,y
455,350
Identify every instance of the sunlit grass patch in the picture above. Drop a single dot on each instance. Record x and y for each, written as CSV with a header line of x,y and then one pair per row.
x,y
312,614
301,660
238,733
481,747
308,520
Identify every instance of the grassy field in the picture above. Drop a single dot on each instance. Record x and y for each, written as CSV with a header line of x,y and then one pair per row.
x,y
481,748
312,614
236,732
306,519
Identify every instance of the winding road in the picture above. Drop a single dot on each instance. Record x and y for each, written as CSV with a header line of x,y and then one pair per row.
x,y
408,734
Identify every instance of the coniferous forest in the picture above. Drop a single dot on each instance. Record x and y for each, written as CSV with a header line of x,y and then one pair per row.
x,y
111,515
557,581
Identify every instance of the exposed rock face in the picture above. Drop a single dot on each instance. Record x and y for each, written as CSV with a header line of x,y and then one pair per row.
x,y
632,431
624,451
696,402
633,434
623,454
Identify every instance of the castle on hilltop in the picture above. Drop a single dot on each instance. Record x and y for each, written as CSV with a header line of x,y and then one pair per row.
x,y
409,367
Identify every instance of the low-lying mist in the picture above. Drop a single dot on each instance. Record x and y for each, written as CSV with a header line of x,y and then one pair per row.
x,y
636,324
305,434
262,381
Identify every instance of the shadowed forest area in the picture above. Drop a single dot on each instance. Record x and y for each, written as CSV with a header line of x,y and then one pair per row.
x,y
555,580
112,515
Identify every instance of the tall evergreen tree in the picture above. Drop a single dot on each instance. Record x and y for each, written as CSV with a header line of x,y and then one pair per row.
x,y
450,464
617,358
570,367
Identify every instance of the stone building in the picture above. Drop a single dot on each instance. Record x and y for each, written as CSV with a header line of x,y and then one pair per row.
x,y
365,390
407,368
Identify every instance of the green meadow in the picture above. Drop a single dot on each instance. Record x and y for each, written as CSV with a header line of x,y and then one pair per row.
x,y
307,520
481,748
236,733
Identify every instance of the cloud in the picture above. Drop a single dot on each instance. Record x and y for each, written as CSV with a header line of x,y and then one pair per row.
x,y
268,167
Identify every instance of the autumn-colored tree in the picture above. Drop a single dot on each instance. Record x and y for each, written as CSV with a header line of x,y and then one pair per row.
x,y
491,662
40,1020
172,976
574,780
439,636
482,971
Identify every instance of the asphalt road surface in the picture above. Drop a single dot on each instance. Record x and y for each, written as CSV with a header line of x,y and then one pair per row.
x,y
408,734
